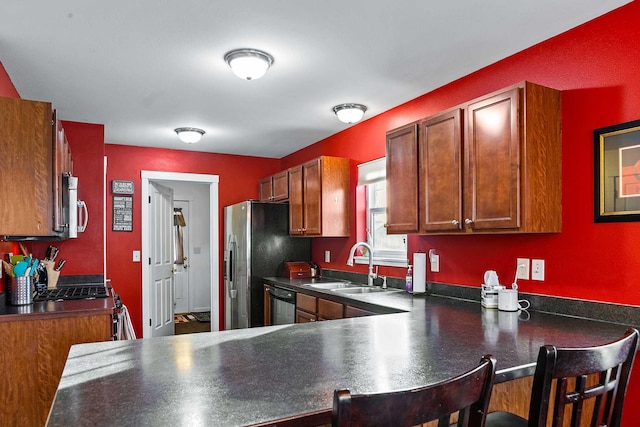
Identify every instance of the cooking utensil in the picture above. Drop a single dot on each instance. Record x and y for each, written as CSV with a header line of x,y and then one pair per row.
x,y
8,268
34,266
61,264
20,268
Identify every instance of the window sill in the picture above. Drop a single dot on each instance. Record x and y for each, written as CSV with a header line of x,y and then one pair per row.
x,y
388,262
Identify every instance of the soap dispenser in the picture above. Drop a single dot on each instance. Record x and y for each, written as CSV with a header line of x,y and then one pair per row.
x,y
409,280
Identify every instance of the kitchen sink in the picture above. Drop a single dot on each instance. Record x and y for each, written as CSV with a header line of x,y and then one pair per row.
x,y
330,285
359,290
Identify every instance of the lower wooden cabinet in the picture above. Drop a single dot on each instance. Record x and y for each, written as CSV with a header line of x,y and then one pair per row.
x,y
33,356
351,311
310,309
330,310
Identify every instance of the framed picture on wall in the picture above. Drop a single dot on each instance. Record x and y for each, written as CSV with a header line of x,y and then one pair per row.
x,y
617,172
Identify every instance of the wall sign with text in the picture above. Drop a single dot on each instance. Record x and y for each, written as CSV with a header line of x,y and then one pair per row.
x,y
122,213
119,186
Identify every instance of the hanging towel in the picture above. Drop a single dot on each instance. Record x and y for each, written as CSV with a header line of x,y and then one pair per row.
x,y
178,222
125,327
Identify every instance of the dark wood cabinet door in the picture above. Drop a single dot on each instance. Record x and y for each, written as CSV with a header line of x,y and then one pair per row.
x,y
266,304
329,310
266,189
296,211
280,186
26,168
304,317
312,198
492,162
439,179
351,311
402,183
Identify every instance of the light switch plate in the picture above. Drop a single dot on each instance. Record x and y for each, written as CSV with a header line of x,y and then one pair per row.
x,y
136,256
327,256
435,263
537,269
522,264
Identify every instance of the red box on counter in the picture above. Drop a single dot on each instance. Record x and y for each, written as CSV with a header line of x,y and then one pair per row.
x,y
296,270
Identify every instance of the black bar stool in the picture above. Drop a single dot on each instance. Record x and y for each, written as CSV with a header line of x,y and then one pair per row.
x,y
610,364
468,392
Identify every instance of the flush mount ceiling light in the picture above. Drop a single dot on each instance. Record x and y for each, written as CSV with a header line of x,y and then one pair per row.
x,y
189,135
249,64
349,113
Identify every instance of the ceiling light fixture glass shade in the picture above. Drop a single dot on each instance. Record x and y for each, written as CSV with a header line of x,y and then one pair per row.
x,y
189,135
349,113
248,64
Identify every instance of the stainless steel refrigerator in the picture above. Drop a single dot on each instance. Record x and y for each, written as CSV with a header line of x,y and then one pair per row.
x,y
257,242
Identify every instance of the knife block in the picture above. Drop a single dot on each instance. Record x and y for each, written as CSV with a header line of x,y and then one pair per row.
x,y
52,275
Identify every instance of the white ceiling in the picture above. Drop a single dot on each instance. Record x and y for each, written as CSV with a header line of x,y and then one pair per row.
x,y
145,67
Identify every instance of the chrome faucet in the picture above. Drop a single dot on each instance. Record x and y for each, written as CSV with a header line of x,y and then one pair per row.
x,y
371,274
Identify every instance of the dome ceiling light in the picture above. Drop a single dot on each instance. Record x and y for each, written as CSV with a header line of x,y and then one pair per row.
x,y
248,64
349,113
189,135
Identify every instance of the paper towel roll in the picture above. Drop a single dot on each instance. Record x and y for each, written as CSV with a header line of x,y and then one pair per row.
x,y
419,273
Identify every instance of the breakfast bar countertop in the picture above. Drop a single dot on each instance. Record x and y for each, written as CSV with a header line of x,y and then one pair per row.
x,y
256,375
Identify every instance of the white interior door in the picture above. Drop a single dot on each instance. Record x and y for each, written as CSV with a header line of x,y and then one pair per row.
x,y
182,271
161,245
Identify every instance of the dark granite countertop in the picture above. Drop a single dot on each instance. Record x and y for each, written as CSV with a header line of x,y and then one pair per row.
x,y
256,375
13,313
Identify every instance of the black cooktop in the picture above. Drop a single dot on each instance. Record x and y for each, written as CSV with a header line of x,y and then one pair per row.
x,y
71,293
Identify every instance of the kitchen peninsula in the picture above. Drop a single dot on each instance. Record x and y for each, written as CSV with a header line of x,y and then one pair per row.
x,y
258,375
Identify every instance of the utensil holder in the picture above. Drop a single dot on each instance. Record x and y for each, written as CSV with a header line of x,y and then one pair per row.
x,y
20,290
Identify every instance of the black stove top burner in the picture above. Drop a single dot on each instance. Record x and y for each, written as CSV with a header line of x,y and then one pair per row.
x,y
71,293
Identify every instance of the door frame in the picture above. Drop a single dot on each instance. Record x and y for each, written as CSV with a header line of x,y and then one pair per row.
x,y
213,181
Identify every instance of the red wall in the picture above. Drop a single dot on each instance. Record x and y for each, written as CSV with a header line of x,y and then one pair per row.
x,y
84,255
238,176
6,85
596,66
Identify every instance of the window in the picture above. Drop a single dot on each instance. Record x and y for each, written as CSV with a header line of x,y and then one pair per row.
x,y
388,249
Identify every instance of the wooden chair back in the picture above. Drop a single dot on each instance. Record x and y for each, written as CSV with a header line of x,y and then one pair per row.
x,y
469,393
598,375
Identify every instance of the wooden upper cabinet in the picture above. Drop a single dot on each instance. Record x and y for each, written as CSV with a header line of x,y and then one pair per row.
x,y
319,198
26,168
296,201
492,172
402,184
275,188
513,163
491,165
265,188
440,174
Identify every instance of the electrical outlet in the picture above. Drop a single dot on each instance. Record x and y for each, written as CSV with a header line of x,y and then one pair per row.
x,y
522,264
435,263
136,256
537,269
327,256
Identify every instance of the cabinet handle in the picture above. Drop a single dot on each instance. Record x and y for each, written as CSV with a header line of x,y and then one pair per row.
x,y
468,221
455,222
386,226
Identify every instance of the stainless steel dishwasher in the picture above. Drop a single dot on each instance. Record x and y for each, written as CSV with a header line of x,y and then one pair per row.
x,y
282,305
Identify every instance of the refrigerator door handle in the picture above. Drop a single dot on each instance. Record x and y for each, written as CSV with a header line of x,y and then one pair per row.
x,y
233,293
